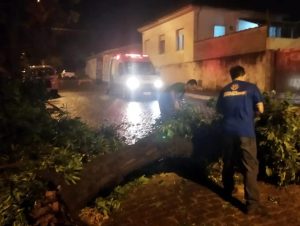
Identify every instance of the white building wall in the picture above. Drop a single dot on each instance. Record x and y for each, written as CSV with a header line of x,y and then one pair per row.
x,y
210,63
168,29
209,17
91,67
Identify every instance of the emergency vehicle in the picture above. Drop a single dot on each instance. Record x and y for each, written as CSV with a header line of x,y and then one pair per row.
x,y
133,75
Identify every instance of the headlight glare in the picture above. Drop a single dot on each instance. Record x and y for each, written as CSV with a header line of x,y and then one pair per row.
x,y
132,83
158,84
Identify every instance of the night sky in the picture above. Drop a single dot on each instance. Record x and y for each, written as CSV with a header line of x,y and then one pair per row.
x,y
106,24
115,22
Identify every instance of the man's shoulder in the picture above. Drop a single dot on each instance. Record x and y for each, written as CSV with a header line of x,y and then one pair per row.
x,y
227,86
245,85
176,85
249,84
239,85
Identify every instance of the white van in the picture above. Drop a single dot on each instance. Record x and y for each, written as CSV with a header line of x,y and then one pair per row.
x,y
133,75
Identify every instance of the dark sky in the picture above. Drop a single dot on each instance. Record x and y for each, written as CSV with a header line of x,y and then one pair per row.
x,y
112,23
106,24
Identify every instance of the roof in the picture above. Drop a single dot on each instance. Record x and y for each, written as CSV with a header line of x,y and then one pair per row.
x,y
183,10
170,16
136,48
194,7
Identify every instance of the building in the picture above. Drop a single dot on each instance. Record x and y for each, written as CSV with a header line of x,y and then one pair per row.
x,y
203,42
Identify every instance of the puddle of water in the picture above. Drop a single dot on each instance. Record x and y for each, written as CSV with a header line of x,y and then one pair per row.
x,y
135,119
139,119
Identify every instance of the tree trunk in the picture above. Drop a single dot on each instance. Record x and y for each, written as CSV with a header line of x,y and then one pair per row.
x,y
109,170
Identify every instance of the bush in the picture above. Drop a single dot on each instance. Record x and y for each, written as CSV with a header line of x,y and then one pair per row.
x,y
32,141
184,123
278,133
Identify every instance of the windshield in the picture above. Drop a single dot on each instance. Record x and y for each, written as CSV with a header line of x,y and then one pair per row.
x,y
137,68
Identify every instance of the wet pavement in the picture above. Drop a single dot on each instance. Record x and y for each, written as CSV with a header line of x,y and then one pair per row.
x,y
134,118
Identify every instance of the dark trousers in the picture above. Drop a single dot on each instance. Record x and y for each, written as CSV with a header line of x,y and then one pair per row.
x,y
241,152
166,105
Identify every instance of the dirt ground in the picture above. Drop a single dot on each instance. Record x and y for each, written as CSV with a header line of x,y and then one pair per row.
x,y
171,200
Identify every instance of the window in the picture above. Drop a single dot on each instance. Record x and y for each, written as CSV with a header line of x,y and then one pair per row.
x,y
274,31
146,46
179,39
161,44
138,68
219,30
243,25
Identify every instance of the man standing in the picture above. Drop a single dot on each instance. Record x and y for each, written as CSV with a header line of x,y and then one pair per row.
x,y
238,103
170,97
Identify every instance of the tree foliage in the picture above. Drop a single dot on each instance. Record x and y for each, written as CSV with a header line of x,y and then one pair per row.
x,y
34,32
278,134
33,141
41,41
184,123
279,140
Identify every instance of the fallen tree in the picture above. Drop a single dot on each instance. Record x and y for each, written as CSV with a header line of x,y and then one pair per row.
x,y
64,145
109,170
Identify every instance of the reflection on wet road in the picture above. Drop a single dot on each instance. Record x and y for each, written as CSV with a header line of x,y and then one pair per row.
x,y
140,117
134,118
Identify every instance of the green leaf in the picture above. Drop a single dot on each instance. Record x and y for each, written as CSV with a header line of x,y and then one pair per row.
x,y
269,171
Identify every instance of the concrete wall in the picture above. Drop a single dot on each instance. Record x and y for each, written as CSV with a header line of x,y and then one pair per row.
x,y
243,42
209,17
287,66
214,74
168,29
279,70
283,43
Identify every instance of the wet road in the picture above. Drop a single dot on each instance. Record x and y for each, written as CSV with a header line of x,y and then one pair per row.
x,y
134,118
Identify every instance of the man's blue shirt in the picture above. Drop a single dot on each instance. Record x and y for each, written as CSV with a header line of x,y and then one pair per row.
x,y
237,103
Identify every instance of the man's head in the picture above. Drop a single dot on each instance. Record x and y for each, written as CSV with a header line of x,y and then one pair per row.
x,y
191,84
237,71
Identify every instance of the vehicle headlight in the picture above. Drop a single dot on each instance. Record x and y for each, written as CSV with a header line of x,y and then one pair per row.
x,y
158,83
132,83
